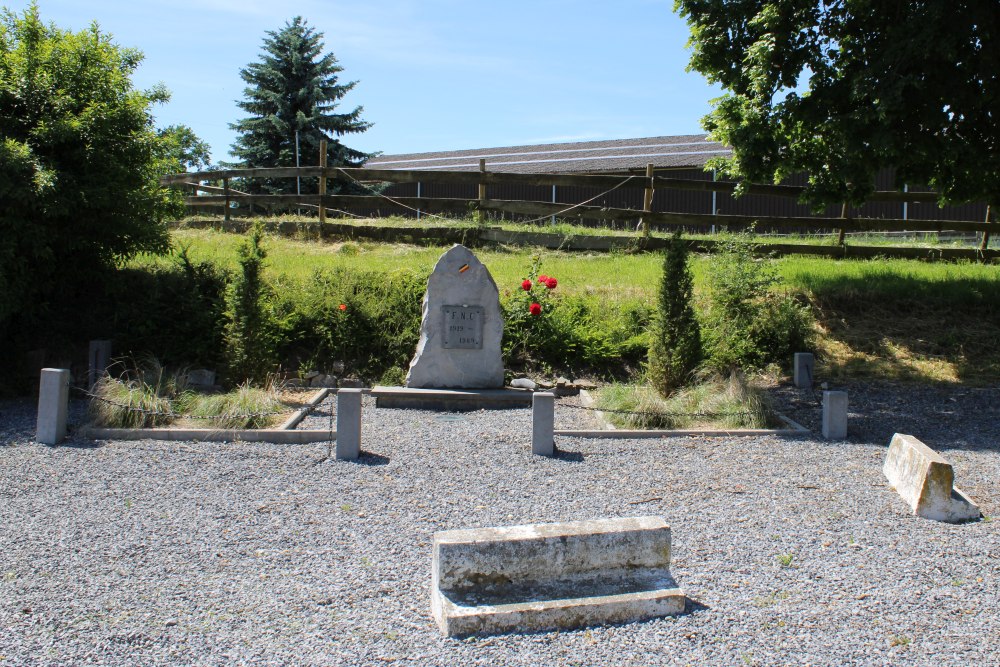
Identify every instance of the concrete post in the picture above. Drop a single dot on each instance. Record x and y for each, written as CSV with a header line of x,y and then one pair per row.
x,y
543,411
348,424
53,401
803,370
99,358
834,415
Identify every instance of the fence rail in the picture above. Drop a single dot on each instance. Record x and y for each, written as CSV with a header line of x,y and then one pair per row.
x,y
225,196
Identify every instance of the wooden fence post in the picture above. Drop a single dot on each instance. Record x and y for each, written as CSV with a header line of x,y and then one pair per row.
x,y
322,181
843,230
647,200
986,232
225,190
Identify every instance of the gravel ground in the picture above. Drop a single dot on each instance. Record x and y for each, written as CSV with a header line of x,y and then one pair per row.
x,y
791,551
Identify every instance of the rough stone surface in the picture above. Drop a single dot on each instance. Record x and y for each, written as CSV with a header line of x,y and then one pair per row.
x,y
522,383
542,424
99,358
834,415
925,480
53,401
552,576
804,365
201,377
459,285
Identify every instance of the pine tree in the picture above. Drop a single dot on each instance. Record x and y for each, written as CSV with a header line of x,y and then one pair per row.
x,y
293,88
675,350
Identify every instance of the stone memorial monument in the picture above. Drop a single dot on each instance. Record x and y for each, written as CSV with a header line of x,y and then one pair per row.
x,y
461,327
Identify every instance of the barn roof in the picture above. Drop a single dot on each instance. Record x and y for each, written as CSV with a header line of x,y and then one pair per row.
x,y
691,150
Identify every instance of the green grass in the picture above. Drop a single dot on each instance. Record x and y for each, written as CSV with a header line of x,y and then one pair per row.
x,y
886,319
711,402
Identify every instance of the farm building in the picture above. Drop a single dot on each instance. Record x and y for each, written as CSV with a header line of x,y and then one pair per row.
x,y
683,156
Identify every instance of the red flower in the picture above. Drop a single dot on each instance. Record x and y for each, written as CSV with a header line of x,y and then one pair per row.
x,y
526,285
551,283
342,306
542,278
535,309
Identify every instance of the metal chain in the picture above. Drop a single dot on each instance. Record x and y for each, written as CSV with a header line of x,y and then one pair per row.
x,y
745,413
174,415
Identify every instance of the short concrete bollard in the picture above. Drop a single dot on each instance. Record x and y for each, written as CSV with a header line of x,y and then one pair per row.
x,y
834,415
926,481
99,358
348,424
803,367
53,402
543,410
556,576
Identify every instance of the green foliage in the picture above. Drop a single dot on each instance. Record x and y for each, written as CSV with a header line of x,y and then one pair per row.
x,y
250,349
139,398
244,407
747,325
294,88
840,90
712,401
79,165
368,320
570,332
190,152
675,345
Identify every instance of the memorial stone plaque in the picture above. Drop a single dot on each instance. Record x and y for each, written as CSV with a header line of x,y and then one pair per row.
x,y
463,327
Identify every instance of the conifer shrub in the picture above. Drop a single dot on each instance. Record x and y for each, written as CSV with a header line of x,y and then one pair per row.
x,y
675,343
250,348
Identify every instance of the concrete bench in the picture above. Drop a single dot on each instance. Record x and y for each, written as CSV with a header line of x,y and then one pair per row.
x,y
926,481
553,576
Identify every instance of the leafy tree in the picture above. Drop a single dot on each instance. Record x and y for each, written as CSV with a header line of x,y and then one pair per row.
x,y
191,152
840,90
79,166
293,88
675,349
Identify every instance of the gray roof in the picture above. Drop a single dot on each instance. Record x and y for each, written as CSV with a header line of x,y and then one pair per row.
x,y
691,150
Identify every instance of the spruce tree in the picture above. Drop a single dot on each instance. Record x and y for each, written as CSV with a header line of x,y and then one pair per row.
x,y
293,88
675,349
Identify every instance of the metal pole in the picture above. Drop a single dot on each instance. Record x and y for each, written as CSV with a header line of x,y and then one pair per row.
x,y
715,208
298,179
553,201
418,197
906,188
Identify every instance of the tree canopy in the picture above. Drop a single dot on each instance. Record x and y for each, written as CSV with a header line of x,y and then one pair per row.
x,y
190,152
79,162
840,89
294,88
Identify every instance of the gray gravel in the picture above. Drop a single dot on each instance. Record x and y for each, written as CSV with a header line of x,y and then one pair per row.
x,y
140,553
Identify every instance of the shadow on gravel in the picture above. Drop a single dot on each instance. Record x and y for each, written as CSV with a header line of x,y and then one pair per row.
x,y
370,459
693,606
571,457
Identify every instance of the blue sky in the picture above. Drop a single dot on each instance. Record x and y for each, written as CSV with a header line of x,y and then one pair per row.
x,y
433,74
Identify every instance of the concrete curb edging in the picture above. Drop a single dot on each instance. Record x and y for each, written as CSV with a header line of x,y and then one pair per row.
x,y
277,436
301,413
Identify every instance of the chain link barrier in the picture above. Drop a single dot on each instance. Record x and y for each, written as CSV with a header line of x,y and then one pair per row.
x,y
174,415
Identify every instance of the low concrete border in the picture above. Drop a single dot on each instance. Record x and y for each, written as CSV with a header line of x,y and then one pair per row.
x,y
301,413
277,436
552,576
451,400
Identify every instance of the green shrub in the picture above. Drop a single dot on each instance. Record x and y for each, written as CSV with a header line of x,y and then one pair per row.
x,y
675,345
250,346
747,325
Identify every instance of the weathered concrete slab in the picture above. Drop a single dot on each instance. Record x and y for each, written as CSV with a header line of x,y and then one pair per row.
x,y
461,327
553,576
926,481
451,400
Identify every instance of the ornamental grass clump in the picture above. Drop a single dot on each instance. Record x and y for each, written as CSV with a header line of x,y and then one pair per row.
x,y
128,403
712,402
244,407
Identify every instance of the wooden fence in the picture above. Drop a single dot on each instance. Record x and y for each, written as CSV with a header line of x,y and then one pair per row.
x,y
225,196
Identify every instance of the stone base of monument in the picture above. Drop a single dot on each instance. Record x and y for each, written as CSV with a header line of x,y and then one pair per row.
x,y
451,400
553,576
926,481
